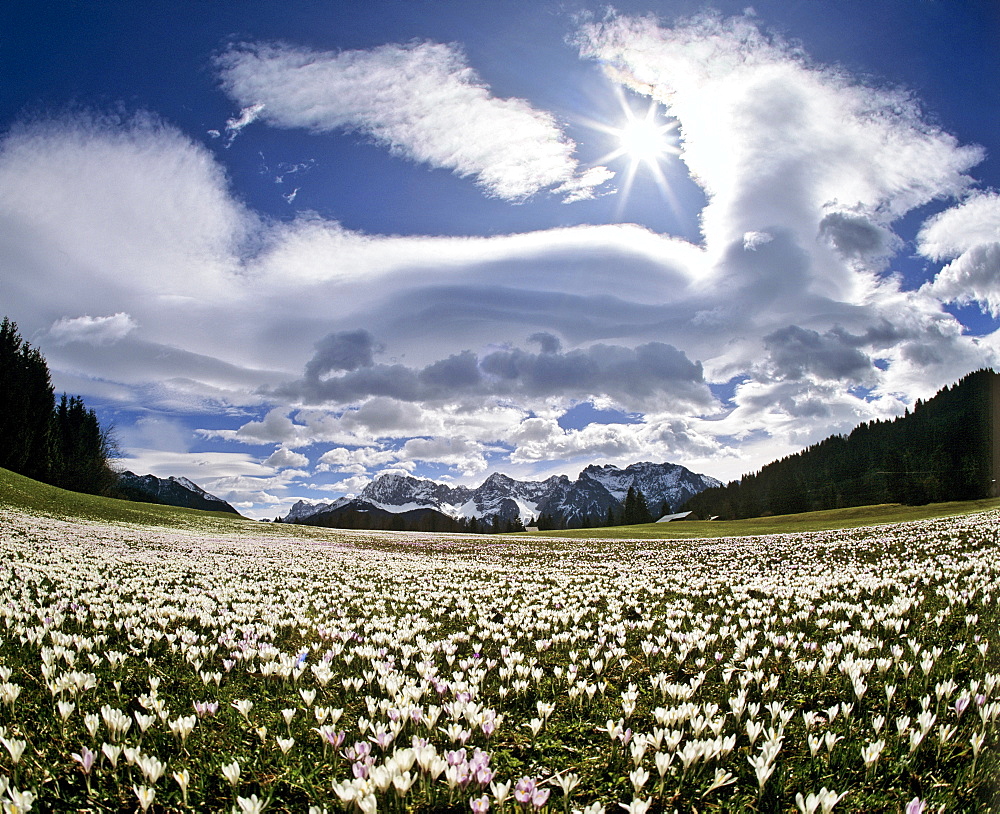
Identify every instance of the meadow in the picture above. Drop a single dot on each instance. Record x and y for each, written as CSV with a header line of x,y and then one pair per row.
x,y
210,665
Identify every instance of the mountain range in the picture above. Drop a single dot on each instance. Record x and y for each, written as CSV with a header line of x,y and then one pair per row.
x,y
665,486
169,491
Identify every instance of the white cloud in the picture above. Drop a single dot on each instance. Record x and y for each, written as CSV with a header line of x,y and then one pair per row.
x,y
130,204
969,235
284,458
422,101
974,276
541,439
751,240
351,486
466,456
201,467
973,222
805,169
276,427
361,458
154,432
761,124
92,330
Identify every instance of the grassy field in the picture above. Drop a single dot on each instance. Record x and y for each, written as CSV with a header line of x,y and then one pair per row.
x,y
783,524
161,660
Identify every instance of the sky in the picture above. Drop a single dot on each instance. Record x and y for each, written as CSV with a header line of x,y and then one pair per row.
x,y
283,248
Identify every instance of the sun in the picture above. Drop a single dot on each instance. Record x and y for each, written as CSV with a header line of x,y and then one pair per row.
x,y
644,139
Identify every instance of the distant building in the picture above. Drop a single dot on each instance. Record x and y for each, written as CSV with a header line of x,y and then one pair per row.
x,y
679,516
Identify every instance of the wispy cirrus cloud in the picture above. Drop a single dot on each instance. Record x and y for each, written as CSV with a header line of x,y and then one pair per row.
x,y
422,101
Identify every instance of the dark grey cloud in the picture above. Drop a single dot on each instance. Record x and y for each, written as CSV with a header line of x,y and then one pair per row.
x,y
922,354
626,374
633,376
549,343
880,336
343,350
458,372
855,236
794,352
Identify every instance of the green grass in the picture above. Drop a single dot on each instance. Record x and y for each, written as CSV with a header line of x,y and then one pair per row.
x,y
29,495
788,523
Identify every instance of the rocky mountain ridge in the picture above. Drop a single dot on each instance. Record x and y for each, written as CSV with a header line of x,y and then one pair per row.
x,y
591,495
170,491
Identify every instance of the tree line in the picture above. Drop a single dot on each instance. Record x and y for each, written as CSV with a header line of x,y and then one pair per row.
x,y
59,442
631,512
426,520
945,449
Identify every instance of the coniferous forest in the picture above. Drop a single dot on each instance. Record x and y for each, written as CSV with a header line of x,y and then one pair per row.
x,y
57,442
945,449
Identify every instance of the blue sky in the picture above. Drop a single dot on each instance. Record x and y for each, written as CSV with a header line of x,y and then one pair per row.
x,y
285,247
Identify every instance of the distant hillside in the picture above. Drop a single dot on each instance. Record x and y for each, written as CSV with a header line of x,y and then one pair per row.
x,y
26,494
358,514
168,491
946,449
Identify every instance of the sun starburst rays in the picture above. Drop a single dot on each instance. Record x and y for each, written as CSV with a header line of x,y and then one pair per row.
x,y
645,141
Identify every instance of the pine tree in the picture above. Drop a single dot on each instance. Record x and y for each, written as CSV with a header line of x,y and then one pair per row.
x,y
63,445
82,449
514,525
629,508
26,405
642,514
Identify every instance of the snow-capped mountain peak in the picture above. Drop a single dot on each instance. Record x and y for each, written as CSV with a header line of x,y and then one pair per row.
x,y
592,494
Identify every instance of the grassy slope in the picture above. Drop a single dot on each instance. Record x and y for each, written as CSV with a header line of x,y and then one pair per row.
x,y
808,521
30,495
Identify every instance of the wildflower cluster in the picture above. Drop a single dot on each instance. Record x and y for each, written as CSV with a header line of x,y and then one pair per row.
x,y
304,670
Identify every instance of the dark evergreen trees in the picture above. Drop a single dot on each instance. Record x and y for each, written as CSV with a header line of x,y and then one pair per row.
x,y
635,509
63,445
82,449
948,448
26,407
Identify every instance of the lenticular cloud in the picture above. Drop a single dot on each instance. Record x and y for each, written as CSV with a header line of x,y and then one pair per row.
x,y
422,101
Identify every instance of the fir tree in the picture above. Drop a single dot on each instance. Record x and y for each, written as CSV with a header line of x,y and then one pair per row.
x,y
629,508
642,514
63,445
26,406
